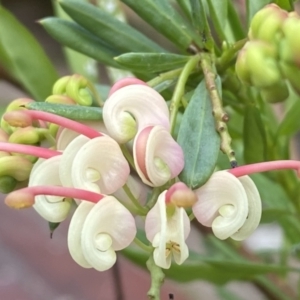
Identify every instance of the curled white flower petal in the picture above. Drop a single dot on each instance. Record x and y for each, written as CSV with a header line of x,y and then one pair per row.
x,y
255,209
52,208
132,108
67,159
108,227
100,166
222,204
74,233
167,233
65,135
157,156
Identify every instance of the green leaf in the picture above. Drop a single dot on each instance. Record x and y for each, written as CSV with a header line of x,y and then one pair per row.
x,y
253,6
75,37
23,57
218,13
254,136
166,20
74,112
152,62
273,214
199,267
285,4
290,123
77,62
112,31
198,138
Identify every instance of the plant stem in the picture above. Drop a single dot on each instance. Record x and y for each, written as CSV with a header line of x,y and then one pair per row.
x,y
142,210
143,245
157,279
229,54
220,115
127,155
163,77
179,89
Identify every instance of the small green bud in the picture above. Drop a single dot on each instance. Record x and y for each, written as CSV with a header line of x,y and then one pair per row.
x,y
7,184
78,88
28,136
257,64
277,93
266,24
17,167
59,87
290,44
60,99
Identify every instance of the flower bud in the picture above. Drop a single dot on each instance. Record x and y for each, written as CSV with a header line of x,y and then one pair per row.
x,y
15,166
19,199
180,195
17,118
3,138
290,44
276,93
266,23
59,87
258,65
78,88
28,136
60,99
17,104
7,184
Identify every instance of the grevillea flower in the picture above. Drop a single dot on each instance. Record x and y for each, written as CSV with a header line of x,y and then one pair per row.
x,y
157,156
132,108
46,172
98,230
230,205
167,227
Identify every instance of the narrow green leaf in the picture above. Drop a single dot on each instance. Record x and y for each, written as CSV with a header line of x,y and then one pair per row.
x,y
185,7
199,267
253,6
285,4
218,13
290,123
75,37
225,294
200,22
152,62
235,22
77,62
24,58
166,20
254,136
273,214
74,112
198,138
112,31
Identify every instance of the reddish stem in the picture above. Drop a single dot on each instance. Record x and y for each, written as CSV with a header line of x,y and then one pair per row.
x,y
265,166
61,191
64,122
27,149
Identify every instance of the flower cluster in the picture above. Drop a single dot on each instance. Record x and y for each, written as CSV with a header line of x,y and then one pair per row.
x,y
270,58
109,167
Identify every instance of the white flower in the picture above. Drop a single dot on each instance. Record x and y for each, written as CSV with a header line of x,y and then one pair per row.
x,y
167,228
96,231
230,205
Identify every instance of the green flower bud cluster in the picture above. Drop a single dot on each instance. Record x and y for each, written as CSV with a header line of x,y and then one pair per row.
x,y
75,88
70,90
271,57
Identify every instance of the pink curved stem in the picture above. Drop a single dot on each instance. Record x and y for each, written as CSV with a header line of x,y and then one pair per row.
x,y
64,122
27,149
125,82
60,191
265,166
